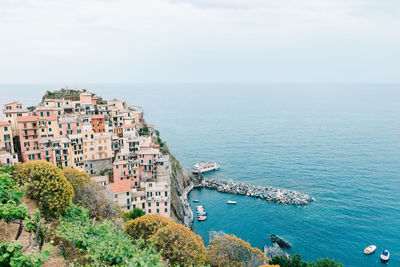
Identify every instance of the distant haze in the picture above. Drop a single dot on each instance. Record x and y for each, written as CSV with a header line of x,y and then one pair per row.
x,y
200,41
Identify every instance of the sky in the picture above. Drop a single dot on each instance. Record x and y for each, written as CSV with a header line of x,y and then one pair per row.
x,y
239,41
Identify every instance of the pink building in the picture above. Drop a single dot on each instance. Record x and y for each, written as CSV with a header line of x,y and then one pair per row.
x,y
85,98
69,125
147,158
28,127
125,169
158,199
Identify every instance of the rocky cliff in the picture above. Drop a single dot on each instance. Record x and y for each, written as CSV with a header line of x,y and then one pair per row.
x,y
181,184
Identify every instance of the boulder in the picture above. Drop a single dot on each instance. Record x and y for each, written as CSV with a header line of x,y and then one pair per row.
x,y
280,241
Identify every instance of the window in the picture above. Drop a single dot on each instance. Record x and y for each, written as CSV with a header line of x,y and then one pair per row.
x,y
149,210
158,210
166,193
149,204
6,128
127,201
48,114
166,210
41,114
157,204
127,193
165,203
60,132
128,207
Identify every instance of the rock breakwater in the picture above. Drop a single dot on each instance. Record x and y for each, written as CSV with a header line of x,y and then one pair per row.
x,y
264,192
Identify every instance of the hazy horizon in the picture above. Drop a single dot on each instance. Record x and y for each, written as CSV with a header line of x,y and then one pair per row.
x,y
186,41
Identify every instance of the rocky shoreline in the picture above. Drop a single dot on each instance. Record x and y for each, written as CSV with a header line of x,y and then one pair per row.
x,y
264,192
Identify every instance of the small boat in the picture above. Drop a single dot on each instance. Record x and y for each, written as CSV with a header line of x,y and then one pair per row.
x,y
195,200
231,202
202,218
205,167
202,213
369,250
385,255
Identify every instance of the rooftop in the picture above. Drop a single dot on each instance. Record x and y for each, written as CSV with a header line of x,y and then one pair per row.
x,y
121,187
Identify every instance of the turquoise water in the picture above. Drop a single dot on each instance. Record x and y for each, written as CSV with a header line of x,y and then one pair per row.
x,y
338,143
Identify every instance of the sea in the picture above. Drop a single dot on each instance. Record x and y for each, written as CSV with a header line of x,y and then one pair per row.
x,y
339,143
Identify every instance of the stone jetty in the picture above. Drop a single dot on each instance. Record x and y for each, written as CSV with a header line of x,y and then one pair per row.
x,y
264,192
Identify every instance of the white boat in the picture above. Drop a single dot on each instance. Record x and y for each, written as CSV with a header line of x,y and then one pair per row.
x,y
205,167
370,249
202,218
231,202
385,255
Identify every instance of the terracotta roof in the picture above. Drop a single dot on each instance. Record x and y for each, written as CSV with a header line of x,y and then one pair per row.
x,y
121,187
4,123
27,118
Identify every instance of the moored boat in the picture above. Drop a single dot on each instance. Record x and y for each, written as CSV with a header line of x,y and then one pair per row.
x,y
202,218
370,249
195,200
205,167
385,255
231,202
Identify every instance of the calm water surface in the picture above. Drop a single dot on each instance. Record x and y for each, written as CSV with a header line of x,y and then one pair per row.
x,y
338,143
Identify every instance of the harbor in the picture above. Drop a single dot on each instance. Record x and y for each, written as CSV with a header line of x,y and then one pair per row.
x,y
268,193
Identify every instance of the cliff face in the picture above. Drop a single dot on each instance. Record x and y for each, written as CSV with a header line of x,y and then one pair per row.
x,y
181,184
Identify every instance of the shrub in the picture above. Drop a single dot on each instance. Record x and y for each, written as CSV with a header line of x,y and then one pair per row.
x,y
47,185
11,255
91,196
180,245
296,261
146,226
232,251
76,178
105,245
135,213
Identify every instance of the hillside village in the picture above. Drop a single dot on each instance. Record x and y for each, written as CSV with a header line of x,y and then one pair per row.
x,y
107,139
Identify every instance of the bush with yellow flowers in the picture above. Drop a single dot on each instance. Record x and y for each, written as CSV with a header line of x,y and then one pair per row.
x,y
175,242
76,178
146,226
230,250
47,185
180,245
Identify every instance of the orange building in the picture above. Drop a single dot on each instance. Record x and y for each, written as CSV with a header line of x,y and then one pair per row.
x,y
98,123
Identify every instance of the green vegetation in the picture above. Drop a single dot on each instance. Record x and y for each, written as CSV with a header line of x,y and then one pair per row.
x,y
144,131
103,244
296,261
11,255
12,211
135,213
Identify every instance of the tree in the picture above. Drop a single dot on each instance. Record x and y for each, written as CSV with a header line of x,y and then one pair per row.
x,y
76,178
146,226
47,185
91,196
180,245
135,213
232,251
